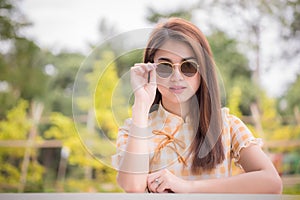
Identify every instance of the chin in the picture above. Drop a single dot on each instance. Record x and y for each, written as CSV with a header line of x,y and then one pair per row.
x,y
178,99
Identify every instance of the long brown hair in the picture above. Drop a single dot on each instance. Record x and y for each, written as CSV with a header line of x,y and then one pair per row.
x,y
206,149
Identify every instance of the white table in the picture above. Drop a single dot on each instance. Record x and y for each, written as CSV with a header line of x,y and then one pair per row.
x,y
125,196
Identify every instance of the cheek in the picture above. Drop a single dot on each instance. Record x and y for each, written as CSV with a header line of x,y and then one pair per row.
x,y
162,86
194,83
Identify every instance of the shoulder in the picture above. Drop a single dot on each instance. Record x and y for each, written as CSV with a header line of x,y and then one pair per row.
x,y
224,112
226,116
125,127
230,119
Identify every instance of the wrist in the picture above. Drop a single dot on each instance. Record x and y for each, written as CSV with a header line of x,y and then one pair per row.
x,y
139,132
140,114
187,187
141,106
195,186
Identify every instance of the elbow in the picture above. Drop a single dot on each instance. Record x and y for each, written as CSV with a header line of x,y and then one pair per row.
x,y
134,189
131,186
278,187
275,184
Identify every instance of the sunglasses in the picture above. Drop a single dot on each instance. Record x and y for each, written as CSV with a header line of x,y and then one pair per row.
x,y
187,68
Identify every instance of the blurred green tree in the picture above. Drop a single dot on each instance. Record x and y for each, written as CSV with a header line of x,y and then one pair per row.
x,y
23,74
233,70
16,126
82,167
11,20
289,18
103,80
96,139
184,12
61,70
21,60
289,103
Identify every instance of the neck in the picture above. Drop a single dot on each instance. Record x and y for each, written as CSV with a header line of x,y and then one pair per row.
x,y
179,109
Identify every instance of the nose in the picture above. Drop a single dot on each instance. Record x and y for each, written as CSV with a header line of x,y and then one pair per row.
x,y
176,75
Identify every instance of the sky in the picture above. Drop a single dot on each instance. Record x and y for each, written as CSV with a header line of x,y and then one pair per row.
x,y
73,24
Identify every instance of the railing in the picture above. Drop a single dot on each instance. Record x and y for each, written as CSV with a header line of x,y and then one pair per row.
x,y
288,180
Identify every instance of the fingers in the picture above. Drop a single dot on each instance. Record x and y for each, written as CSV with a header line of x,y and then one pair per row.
x,y
153,181
159,185
162,187
156,182
153,185
143,82
152,76
141,74
153,176
143,69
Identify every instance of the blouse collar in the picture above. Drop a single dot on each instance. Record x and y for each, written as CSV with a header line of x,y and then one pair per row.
x,y
170,117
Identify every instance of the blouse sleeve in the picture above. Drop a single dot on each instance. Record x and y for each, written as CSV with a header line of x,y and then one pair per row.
x,y
241,137
121,143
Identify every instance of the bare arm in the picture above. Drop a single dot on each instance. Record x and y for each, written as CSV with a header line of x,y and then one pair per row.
x,y
260,176
134,168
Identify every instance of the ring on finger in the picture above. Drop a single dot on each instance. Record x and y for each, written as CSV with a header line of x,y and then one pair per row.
x,y
157,181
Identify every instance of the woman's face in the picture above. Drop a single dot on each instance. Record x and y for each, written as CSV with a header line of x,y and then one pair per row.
x,y
177,88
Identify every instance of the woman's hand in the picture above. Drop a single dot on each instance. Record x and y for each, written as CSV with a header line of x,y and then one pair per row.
x,y
143,82
164,182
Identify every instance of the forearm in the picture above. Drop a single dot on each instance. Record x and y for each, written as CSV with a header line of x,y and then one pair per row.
x,y
251,182
134,167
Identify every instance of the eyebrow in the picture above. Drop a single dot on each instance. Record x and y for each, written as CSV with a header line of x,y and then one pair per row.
x,y
169,60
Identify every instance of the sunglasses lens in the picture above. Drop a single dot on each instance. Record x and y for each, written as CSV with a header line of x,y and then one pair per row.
x,y
189,68
164,70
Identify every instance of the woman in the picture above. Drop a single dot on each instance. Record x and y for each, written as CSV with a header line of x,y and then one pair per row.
x,y
179,139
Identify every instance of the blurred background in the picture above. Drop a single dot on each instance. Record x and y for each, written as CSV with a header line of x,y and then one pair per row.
x,y
43,43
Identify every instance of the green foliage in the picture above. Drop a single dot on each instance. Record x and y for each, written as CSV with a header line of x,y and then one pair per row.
x,y
272,125
154,16
234,101
34,181
294,190
23,74
234,71
102,84
16,127
291,98
63,128
11,20
295,25
64,67
125,61
26,72
79,160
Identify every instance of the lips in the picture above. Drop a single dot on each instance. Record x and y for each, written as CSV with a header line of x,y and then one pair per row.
x,y
177,89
